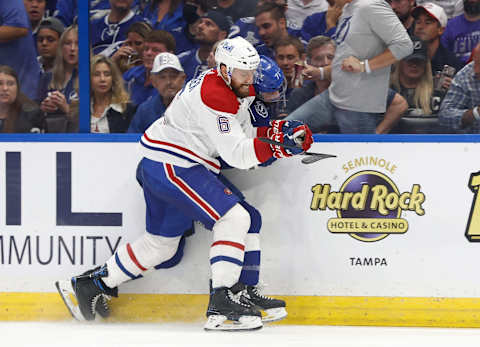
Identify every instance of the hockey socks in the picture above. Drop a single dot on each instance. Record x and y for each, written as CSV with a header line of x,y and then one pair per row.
x,y
131,260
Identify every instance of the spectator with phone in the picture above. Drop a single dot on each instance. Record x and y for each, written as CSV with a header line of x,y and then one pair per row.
x,y
459,111
137,80
130,53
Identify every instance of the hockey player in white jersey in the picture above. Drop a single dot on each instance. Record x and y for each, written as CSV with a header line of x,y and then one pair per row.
x,y
209,118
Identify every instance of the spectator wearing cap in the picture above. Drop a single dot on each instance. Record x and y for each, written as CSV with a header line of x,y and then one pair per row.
x,y
168,78
17,48
462,33
109,31
412,78
452,8
48,36
137,79
35,12
460,107
271,23
212,27
430,22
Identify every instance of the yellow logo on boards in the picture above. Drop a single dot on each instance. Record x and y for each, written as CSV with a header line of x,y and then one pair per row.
x,y
369,205
473,225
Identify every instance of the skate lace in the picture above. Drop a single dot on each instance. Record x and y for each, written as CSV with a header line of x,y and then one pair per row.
x,y
236,298
257,291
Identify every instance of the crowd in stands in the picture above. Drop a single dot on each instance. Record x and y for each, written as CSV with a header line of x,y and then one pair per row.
x,y
144,51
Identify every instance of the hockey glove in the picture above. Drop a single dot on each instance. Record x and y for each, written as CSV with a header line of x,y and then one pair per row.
x,y
295,142
281,126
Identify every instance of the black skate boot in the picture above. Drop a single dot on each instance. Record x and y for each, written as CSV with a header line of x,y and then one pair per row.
x,y
87,290
273,309
101,307
227,312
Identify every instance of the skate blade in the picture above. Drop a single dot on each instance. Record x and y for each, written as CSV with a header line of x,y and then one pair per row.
x,y
221,323
274,314
65,290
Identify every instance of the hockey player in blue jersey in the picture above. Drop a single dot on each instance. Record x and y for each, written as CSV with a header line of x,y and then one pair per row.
x,y
178,170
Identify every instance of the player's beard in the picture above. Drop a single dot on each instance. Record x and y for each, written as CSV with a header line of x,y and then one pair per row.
x,y
242,90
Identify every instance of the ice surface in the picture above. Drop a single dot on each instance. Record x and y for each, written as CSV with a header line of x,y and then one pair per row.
x,y
16,334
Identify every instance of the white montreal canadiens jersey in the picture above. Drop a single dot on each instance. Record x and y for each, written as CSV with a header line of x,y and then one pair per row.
x,y
204,121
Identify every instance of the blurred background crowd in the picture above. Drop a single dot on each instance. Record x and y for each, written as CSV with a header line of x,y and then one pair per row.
x,y
144,51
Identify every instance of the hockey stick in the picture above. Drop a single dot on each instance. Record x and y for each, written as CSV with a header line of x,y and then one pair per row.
x,y
312,156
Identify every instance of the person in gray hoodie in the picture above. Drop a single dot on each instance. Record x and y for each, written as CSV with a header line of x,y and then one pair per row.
x,y
369,38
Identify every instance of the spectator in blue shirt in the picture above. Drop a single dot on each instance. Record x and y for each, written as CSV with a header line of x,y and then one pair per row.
x,y
17,48
137,79
321,23
67,10
168,15
168,78
109,31
246,28
460,107
35,12
272,27
212,27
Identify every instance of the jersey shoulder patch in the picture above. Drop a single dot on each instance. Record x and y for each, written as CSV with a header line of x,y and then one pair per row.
x,y
217,95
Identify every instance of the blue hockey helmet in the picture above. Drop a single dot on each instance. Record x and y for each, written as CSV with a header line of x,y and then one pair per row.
x,y
268,76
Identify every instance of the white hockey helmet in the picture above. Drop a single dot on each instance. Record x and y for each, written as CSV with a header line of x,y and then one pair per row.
x,y
236,53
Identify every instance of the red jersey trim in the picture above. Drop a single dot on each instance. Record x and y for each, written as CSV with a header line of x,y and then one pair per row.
x,y
262,150
217,95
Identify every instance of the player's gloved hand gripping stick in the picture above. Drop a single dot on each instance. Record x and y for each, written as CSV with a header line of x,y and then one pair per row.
x,y
290,138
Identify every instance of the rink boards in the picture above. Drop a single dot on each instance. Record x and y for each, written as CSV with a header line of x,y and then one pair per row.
x,y
384,234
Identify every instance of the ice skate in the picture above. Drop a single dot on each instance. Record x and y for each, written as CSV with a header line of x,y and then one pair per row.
x,y
228,313
81,293
101,307
272,309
